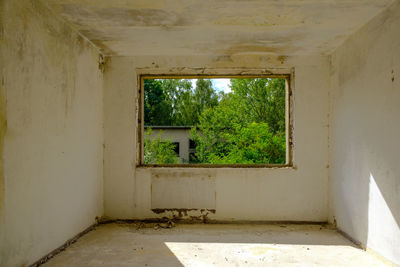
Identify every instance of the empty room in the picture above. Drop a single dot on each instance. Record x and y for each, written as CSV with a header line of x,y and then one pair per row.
x,y
199,133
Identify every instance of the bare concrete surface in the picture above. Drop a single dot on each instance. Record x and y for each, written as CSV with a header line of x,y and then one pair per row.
x,y
142,27
214,245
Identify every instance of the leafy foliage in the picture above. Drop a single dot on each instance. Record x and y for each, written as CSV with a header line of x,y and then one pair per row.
x,y
248,125
263,100
158,150
254,144
156,104
173,102
245,126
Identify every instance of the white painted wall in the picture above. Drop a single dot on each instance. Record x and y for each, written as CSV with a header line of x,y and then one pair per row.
x,y
52,152
298,194
365,132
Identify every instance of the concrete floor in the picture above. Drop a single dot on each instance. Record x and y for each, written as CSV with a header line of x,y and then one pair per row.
x,y
213,245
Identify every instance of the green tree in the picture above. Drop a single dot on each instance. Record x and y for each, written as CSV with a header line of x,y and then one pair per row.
x,y
178,97
247,126
157,110
176,102
158,150
254,144
215,124
264,100
204,97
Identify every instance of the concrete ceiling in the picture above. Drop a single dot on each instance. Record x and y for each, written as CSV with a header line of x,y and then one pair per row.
x,y
217,27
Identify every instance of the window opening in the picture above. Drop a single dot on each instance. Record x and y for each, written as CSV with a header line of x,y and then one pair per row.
x,y
215,121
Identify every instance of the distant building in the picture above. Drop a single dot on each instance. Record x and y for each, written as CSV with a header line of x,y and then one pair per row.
x,y
180,136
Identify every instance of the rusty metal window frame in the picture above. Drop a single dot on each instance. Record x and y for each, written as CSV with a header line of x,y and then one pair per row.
x,y
288,75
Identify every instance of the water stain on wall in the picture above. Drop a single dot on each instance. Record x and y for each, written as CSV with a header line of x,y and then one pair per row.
x,y
3,128
3,118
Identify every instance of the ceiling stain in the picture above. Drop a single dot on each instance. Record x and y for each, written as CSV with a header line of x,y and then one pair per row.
x,y
225,27
120,16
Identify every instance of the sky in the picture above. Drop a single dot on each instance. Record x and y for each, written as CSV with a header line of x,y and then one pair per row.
x,y
219,84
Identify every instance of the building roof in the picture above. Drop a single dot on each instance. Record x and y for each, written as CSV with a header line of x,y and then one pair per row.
x,y
167,127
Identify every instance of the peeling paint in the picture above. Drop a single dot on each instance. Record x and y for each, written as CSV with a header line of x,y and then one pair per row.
x,y
102,63
188,215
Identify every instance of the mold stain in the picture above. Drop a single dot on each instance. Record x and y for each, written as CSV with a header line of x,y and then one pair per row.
x,y
120,16
104,49
282,59
102,63
3,129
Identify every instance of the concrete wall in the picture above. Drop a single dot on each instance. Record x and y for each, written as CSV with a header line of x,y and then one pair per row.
x,y
365,132
295,194
51,127
51,139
